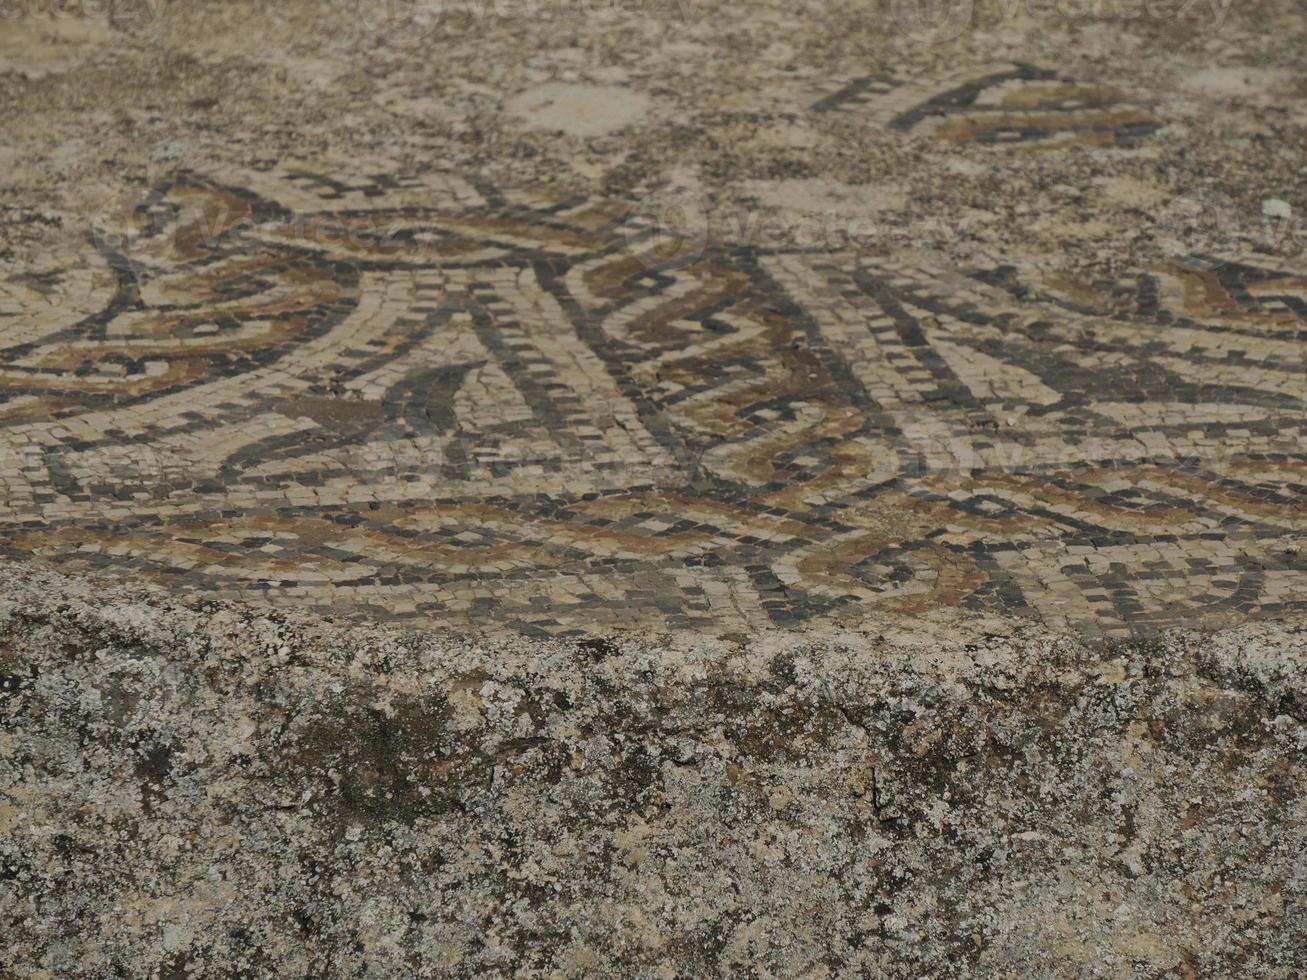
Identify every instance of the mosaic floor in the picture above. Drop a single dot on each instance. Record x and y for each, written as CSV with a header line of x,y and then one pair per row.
x,y
473,406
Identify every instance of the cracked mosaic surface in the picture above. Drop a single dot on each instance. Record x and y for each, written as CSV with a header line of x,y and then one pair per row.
x,y
430,398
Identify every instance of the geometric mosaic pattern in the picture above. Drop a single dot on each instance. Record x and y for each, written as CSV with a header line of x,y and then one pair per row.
x,y
1011,104
480,408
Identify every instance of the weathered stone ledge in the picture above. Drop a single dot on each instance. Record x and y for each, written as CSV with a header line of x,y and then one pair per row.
x,y
193,788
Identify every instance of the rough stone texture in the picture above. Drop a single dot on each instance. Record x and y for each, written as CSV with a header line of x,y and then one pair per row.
x,y
207,789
